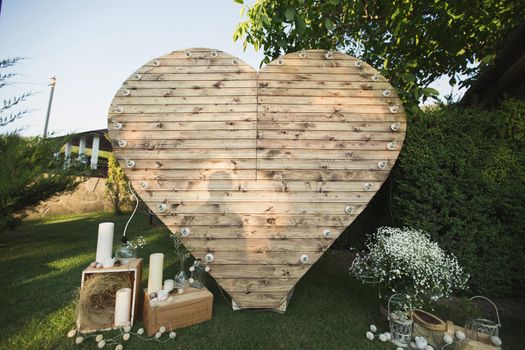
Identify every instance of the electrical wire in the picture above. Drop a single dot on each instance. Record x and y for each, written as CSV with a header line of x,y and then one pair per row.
x,y
132,214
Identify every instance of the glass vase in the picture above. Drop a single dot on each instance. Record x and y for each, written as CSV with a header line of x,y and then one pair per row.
x,y
125,252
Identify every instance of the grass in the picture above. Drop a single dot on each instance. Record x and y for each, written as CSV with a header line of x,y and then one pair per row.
x,y
42,263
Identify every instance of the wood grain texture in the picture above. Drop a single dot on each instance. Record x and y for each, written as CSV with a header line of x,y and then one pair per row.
x,y
257,165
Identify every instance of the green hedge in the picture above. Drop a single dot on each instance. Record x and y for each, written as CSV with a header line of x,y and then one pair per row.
x,y
461,177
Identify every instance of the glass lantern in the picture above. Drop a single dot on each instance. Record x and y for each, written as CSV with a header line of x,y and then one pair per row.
x,y
198,274
400,320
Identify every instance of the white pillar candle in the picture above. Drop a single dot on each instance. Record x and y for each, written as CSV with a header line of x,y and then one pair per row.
x,y
105,241
123,307
169,285
156,266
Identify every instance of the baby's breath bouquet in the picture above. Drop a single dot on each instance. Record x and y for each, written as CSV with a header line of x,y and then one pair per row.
x,y
407,261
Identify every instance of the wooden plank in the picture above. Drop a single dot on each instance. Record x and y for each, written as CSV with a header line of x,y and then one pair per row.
x,y
184,174
324,77
260,185
163,144
196,77
276,232
261,196
236,285
339,116
290,175
306,164
227,164
185,153
233,107
323,175
190,126
326,155
327,126
182,117
185,100
376,93
294,144
329,135
369,84
279,272
258,300
258,245
176,207
175,91
259,220
196,69
266,259
184,134
324,100
349,108
191,84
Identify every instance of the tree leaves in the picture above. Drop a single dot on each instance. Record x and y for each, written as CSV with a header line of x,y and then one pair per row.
x,y
329,24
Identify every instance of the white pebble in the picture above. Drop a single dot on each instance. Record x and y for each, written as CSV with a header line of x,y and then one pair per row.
x,y
429,347
99,338
127,328
173,335
413,345
125,337
140,331
370,335
192,268
79,340
162,329
382,337
207,269
119,347
158,335
72,333
373,328
388,335
496,340
101,344
399,348
180,291
191,280
448,339
460,335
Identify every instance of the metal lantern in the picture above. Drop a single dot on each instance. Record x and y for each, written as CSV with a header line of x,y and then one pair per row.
x,y
482,328
400,321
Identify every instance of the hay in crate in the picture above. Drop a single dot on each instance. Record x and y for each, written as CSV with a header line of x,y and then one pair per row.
x,y
96,300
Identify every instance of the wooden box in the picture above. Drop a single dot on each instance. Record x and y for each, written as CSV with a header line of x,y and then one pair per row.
x,y
134,269
180,310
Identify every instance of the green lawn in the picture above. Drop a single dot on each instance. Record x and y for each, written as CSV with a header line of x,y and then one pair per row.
x,y
42,263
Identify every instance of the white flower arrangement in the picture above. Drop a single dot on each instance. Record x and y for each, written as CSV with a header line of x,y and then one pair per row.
x,y
407,261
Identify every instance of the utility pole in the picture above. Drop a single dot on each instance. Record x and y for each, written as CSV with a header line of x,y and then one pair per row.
x,y
52,84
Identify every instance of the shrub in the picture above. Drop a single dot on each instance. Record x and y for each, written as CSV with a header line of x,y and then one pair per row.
x,y
461,177
407,261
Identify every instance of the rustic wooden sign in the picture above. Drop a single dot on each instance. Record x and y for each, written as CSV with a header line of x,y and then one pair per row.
x,y
259,172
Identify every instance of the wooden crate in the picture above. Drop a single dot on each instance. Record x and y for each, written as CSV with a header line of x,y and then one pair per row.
x,y
134,268
180,310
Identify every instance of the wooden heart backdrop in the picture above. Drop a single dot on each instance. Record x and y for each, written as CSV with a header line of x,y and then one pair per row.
x,y
259,172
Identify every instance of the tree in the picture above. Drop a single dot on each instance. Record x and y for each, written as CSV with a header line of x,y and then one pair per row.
x,y
117,185
5,117
30,173
412,42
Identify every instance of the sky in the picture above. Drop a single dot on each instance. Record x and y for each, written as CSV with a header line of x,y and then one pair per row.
x,y
93,46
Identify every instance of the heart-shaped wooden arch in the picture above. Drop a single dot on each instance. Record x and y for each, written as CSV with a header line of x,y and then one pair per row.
x,y
259,171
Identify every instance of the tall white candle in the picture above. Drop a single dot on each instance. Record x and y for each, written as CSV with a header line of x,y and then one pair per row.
x,y
156,266
105,241
123,307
